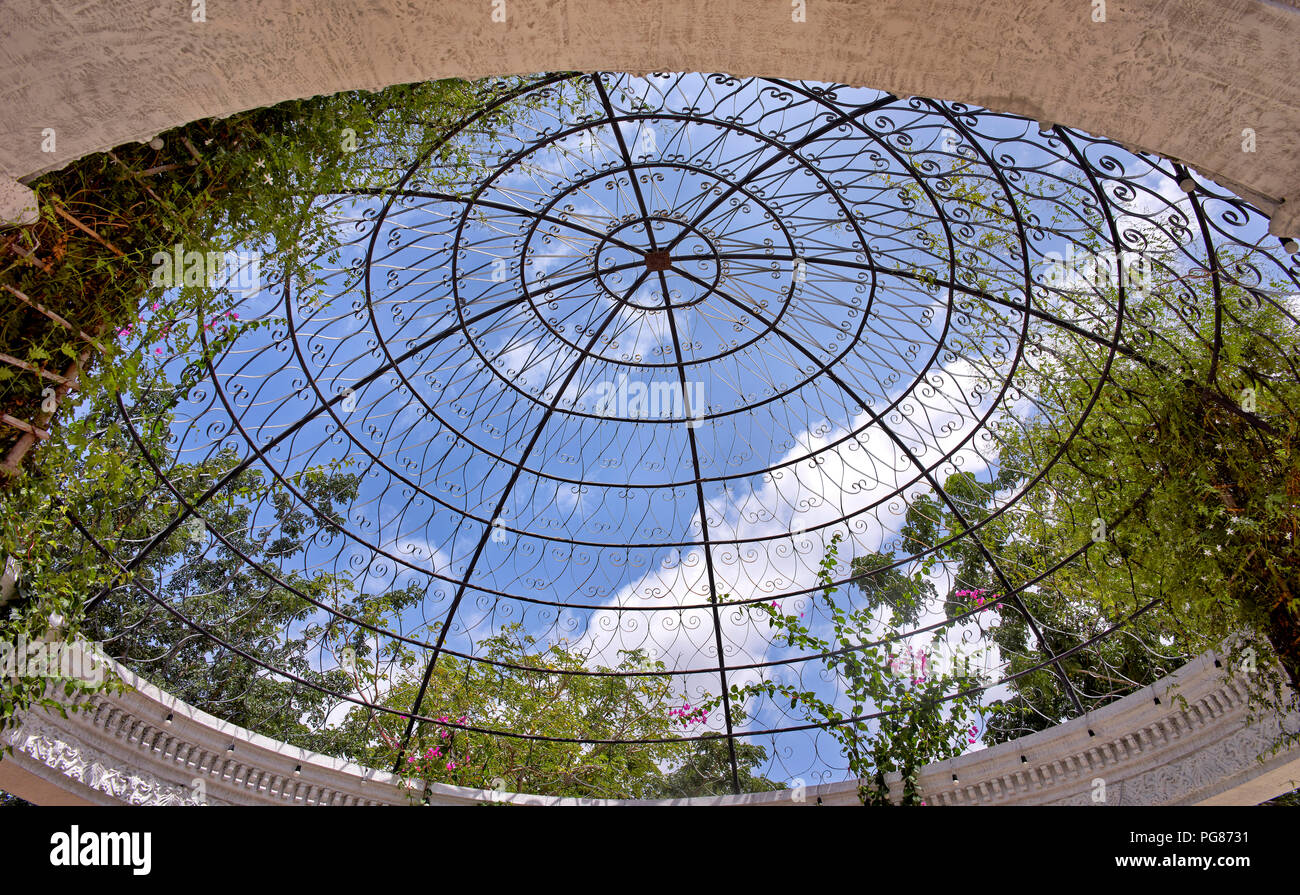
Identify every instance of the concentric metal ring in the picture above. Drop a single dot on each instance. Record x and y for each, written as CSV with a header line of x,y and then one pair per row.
x,y
620,376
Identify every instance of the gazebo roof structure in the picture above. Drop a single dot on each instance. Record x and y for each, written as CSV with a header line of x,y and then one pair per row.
x,y
615,374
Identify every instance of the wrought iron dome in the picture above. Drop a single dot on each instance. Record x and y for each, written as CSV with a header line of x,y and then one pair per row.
x,y
614,359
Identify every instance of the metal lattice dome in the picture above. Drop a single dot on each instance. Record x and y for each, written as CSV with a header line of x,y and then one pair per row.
x,y
614,361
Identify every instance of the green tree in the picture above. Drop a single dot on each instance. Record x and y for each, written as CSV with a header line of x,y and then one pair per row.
x,y
269,180
896,714
1178,495
546,695
1184,472
706,770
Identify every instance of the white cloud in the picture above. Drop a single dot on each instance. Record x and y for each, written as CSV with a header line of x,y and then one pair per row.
x,y
807,495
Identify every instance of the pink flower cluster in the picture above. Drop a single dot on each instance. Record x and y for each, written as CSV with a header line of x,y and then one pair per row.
x,y
229,315
444,733
911,661
972,735
978,595
129,329
435,752
429,755
687,716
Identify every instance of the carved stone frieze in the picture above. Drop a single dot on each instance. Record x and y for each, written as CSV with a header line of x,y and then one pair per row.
x,y
1183,740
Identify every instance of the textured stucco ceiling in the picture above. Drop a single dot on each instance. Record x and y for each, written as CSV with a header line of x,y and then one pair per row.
x,y
1182,78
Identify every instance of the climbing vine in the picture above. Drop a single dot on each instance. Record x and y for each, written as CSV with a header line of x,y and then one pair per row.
x,y
894,713
115,280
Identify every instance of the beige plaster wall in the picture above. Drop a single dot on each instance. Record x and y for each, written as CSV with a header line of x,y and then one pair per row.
x,y
1182,77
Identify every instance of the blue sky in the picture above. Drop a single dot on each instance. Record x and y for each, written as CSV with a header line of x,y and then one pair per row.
x,y
600,514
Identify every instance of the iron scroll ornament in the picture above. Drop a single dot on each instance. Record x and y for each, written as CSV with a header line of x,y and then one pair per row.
x,y
613,359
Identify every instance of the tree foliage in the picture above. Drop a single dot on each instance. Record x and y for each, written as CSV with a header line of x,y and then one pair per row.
x,y
547,695
895,711
266,181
